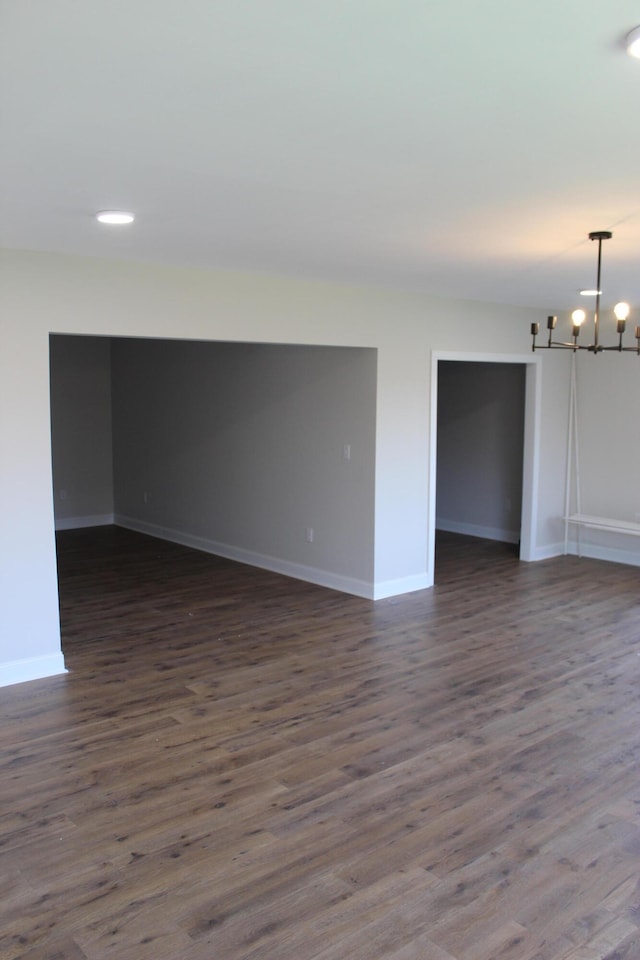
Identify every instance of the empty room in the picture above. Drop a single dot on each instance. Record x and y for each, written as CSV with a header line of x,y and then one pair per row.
x,y
320,587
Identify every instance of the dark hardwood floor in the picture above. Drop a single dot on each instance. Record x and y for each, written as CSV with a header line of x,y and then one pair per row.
x,y
240,766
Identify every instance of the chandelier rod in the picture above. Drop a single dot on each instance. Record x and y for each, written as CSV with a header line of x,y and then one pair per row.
x,y
598,235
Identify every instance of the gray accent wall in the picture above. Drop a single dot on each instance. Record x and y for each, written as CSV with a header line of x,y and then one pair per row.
x,y
81,450
261,452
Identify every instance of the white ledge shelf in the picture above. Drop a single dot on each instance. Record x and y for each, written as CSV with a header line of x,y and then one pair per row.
x,y
603,523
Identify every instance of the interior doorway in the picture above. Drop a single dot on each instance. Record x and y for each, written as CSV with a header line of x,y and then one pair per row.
x,y
483,476
480,447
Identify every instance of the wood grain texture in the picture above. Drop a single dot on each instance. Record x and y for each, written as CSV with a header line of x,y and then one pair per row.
x,y
241,766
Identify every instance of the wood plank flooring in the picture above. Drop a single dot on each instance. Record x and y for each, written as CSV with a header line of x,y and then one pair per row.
x,y
240,766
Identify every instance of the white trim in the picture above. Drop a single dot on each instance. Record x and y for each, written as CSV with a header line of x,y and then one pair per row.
x,y
572,447
431,479
531,456
299,571
545,553
394,588
467,357
32,668
75,523
474,530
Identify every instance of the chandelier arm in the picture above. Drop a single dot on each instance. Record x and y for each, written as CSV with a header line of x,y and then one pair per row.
x,y
562,345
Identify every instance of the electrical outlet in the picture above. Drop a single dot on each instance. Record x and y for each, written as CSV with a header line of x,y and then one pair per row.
x,y
309,535
63,494
346,451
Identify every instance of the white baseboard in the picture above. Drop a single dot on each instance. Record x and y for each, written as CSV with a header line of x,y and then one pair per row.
x,y
394,588
547,553
32,668
299,571
596,552
474,530
591,550
75,523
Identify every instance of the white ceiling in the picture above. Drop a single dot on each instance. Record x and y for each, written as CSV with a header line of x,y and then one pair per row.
x,y
460,147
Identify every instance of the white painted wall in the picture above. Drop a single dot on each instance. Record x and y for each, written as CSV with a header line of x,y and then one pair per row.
x,y
550,481
80,370
480,449
239,449
608,389
29,631
43,293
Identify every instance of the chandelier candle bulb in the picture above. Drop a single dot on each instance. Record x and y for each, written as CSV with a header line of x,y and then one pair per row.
x,y
621,311
577,318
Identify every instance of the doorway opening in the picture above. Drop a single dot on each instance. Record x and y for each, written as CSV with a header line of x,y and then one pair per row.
x,y
484,429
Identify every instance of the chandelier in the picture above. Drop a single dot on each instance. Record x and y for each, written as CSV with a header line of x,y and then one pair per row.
x,y
621,312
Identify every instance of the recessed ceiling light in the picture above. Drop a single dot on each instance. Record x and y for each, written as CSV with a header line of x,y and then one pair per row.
x,y
590,293
633,42
115,216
